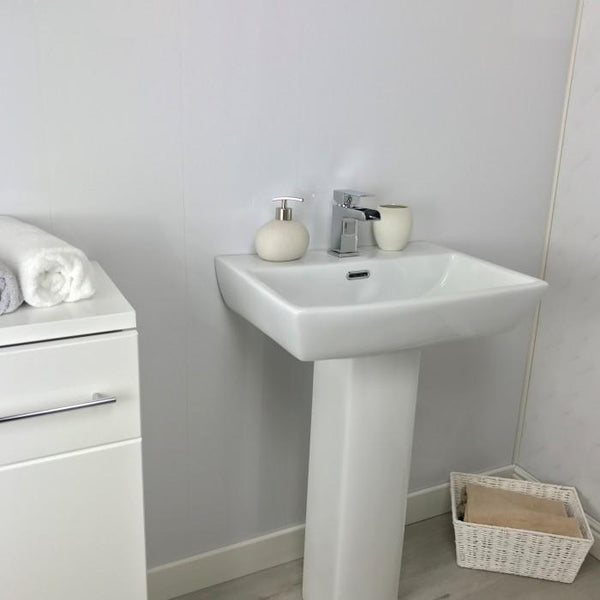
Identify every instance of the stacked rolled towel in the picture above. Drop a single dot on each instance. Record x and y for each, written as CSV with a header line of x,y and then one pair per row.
x,y
10,292
505,508
49,270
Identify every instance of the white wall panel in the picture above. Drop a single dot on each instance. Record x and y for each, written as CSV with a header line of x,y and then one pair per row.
x,y
154,133
561,441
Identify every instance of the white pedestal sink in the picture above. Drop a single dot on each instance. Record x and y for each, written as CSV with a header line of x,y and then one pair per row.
x,y
362,320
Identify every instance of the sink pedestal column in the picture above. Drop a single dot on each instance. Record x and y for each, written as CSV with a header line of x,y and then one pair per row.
x,y
361,440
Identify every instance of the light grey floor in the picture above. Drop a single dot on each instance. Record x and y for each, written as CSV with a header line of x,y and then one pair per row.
x,y
429,572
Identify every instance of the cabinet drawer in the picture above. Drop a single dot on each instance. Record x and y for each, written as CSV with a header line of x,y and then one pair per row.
x,y
68,375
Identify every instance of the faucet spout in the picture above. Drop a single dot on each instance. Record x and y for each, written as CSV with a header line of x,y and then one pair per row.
x,y
370,214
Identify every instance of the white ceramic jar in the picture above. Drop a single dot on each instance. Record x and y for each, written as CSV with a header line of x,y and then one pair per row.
x,y
392,231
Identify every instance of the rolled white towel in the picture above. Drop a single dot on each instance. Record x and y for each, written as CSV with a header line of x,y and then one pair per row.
x,y
49,270
10,292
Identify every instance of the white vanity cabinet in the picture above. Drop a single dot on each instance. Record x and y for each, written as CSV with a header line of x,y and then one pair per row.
x,y
71,504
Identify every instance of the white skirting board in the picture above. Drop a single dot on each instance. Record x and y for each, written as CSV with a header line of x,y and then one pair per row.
x,y
210,568
521,473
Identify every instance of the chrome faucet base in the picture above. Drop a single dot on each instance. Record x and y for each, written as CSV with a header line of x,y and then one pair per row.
x,y
340,254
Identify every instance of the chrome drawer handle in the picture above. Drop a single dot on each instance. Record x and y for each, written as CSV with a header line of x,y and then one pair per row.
x,y
97,400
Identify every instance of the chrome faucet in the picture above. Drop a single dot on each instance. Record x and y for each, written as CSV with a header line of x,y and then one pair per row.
x,y
344,222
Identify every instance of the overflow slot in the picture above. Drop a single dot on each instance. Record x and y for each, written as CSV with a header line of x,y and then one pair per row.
x,y
364,274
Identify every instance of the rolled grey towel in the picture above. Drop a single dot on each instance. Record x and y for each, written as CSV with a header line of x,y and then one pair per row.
x,y
10,290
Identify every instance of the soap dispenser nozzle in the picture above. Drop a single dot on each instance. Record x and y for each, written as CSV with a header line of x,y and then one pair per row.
x,y
283,212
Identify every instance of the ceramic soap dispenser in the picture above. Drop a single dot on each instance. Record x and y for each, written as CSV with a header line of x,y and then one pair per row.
x,y
282,238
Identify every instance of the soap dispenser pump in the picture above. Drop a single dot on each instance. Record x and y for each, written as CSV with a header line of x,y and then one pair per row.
x,y
282,238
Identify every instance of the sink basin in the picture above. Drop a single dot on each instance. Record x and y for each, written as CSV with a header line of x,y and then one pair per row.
x,y
321,307
363,321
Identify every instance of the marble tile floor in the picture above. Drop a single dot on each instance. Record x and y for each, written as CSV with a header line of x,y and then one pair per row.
x,y
429,572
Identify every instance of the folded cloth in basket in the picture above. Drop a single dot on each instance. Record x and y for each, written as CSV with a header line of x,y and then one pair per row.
x,y
49,270
505,508
10,292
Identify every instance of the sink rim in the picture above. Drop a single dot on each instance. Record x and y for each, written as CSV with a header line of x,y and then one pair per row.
x,y
249,267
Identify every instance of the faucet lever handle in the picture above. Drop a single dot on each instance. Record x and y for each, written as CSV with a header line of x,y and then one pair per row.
x,y
347,198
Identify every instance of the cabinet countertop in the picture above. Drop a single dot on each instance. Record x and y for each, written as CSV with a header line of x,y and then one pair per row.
x,y
107,310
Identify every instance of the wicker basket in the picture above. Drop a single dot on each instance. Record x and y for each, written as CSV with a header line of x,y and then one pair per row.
x,y
515,551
